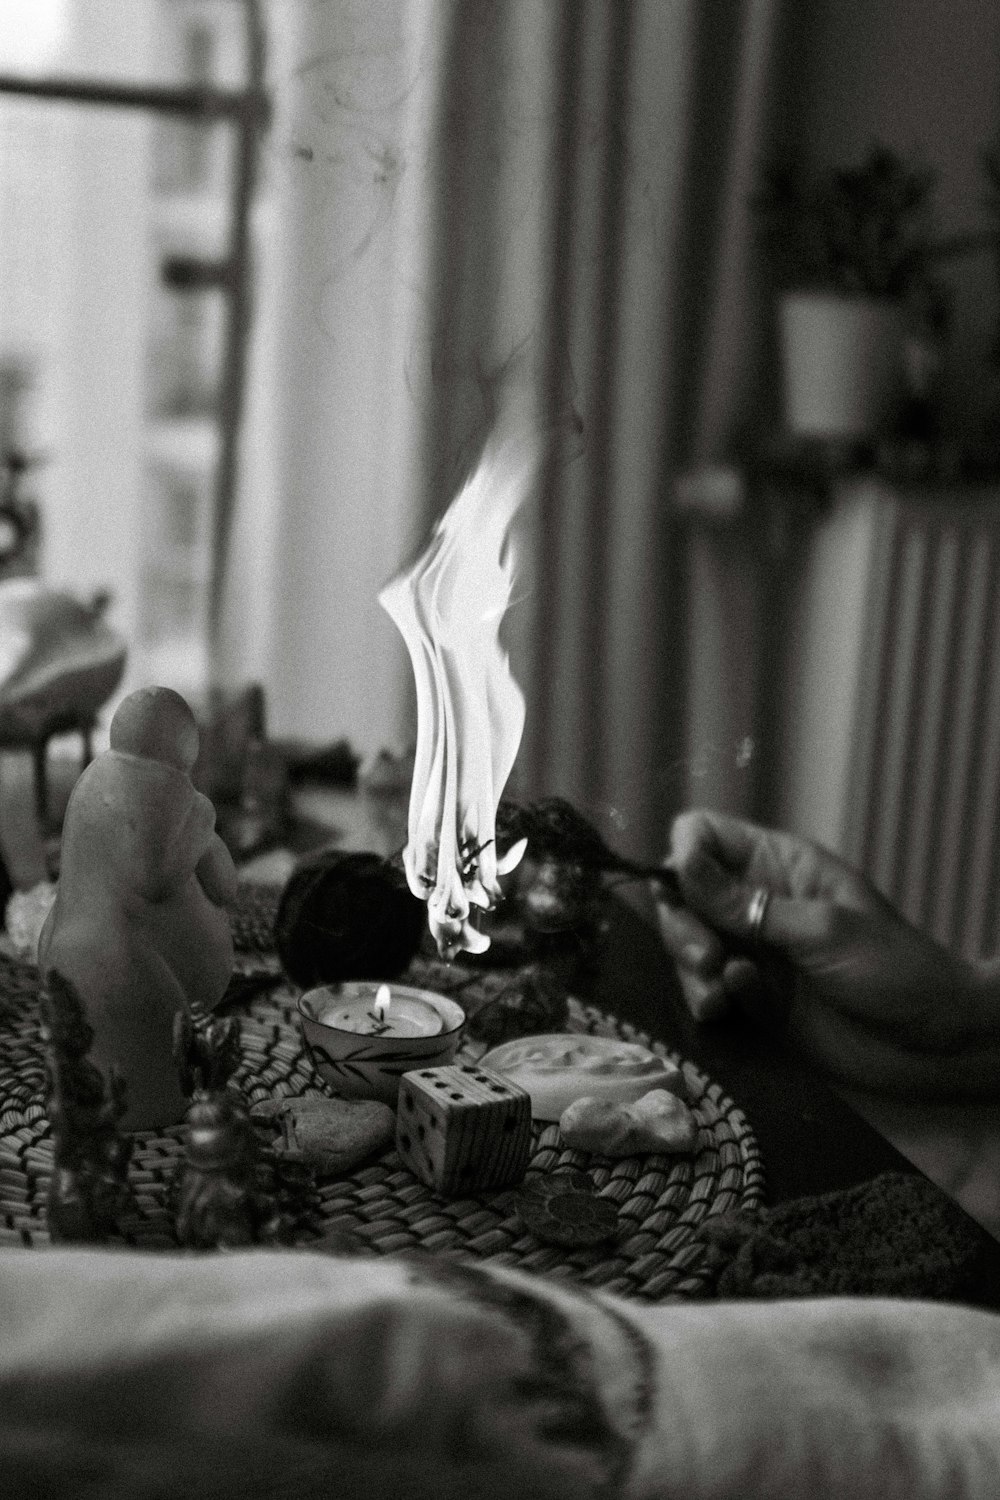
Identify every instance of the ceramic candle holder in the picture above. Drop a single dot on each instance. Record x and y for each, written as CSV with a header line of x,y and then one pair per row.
x,y
361,1050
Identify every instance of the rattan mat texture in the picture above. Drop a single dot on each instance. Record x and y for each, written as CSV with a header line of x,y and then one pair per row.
x,y
664,1202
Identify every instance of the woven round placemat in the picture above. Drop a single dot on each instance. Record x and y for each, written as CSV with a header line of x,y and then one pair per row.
x,y
662,1200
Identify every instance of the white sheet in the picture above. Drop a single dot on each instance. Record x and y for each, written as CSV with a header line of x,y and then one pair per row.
x,y
129,1375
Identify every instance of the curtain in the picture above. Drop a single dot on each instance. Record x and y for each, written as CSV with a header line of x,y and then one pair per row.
x,y
537,202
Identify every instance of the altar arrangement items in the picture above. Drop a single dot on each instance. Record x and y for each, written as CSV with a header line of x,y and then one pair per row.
x,y
140,924
88,1190
59,662
462,1129
328,1136
530,998
346,915
470,711
562,1208
658,1121
59,659
558,1069
559,882
363,1036
554,911
223,1193
244,773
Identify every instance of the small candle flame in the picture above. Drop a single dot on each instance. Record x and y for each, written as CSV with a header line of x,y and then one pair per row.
x,y
470,710
383,999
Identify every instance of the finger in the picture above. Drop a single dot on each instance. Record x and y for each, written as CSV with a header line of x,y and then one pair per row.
x,y
706,999
796,926
688,940
715,895
730,842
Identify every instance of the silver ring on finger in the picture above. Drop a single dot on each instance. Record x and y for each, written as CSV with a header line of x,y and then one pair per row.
x,y
756,912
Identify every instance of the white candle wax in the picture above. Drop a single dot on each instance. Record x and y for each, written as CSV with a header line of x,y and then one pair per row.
x,y
403,1016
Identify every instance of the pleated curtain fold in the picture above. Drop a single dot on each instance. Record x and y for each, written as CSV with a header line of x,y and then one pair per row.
x,y
538,205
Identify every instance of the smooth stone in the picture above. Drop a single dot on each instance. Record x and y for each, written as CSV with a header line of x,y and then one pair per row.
x,y
330,1135
658,1121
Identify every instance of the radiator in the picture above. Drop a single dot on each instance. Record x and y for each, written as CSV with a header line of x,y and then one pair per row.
x,y
921,810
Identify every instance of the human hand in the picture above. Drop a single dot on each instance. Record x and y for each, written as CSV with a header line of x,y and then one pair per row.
x,y
855,987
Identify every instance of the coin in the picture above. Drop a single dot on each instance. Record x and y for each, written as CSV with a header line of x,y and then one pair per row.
x,y
568,1216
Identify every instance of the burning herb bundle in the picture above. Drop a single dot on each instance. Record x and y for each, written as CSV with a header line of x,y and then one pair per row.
x,y
448,608
556,832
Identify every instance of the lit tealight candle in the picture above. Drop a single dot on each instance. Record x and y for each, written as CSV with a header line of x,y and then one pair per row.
x,y
384,1015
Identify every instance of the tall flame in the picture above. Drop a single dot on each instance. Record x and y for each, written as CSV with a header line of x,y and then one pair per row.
x,y
470,711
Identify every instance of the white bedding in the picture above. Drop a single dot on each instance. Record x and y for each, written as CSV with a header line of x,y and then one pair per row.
x,y
131,1375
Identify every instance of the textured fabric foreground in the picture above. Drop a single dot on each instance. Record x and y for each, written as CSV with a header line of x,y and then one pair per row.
x,y
896,1236
147,1377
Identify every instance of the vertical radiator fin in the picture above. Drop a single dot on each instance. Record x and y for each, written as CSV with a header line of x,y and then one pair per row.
x,y
866,745
980,935
958,779
897,713
919,860
924,815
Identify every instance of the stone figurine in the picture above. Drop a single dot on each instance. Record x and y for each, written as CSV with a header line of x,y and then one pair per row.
x,y
140,923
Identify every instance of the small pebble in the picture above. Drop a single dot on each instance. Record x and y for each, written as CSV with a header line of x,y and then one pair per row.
x,y
659,1121
329,1135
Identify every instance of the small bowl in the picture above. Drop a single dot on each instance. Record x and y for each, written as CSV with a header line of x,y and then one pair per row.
x,y
361,1066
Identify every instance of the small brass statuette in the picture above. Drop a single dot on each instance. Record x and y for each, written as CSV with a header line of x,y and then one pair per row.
x,y
223,1195
461,1129
88,1190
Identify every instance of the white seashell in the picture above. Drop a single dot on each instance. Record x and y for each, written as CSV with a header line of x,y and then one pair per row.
x,y
558,1067
658,1121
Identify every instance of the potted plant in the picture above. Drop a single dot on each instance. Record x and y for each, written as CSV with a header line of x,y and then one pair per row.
x,y
851,250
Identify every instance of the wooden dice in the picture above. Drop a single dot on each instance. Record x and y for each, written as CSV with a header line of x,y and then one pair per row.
x,y
462,1129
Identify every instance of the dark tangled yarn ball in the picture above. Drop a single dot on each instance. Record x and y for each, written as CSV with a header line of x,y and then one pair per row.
x,y
347,915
